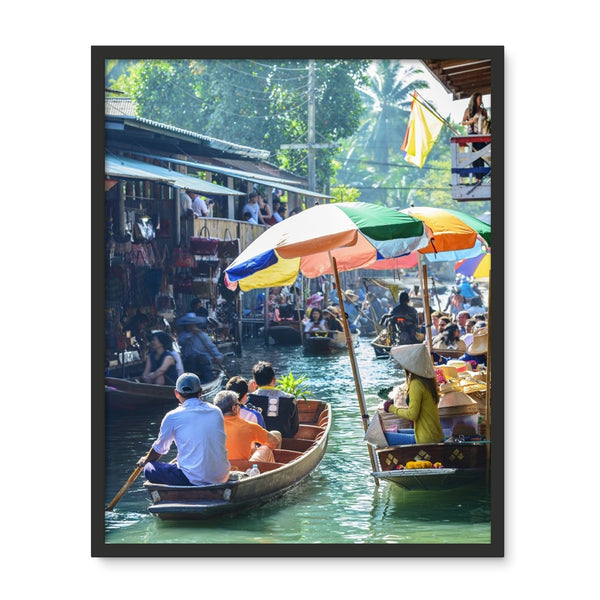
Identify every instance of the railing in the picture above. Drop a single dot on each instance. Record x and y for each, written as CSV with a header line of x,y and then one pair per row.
x,y
470,181
224,229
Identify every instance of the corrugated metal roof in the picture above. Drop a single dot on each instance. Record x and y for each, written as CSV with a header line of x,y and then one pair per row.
x,y
265,180
120,166
214,143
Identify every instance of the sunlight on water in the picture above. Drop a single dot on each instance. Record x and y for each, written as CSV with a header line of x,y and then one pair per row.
x,y
338,503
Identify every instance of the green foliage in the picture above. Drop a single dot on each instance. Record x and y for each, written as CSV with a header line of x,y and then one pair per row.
x,y
296,387
258,104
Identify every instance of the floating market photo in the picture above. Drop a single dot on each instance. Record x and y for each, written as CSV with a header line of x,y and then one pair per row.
x,y
299,347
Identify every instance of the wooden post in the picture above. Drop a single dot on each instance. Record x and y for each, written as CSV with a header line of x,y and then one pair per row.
x,y
426,309
355,373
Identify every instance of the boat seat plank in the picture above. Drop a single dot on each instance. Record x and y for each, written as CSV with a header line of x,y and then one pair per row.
x,y
286,456
308,432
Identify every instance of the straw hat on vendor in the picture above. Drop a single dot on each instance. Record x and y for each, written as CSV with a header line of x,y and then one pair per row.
x,y
414,358
479,345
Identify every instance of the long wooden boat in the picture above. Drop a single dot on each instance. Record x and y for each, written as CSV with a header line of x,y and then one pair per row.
x,y
326,342
284,333
296,459
130,394
381,345
462,463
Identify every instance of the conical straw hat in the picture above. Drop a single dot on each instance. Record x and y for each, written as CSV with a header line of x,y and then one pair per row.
x,y
414,358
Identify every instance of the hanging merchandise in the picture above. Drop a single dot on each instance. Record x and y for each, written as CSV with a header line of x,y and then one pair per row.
x,y
204,245
228,247
143,230
183,257
205,267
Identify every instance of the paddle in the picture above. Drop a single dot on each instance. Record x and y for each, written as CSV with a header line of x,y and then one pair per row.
x,y
125,487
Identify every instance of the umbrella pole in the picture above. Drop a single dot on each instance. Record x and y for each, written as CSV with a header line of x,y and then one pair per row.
x,y
355,373
426,310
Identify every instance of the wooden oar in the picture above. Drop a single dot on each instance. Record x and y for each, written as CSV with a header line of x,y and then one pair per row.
x,y
125,487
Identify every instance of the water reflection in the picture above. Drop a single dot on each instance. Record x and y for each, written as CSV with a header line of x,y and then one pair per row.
x,y
339,503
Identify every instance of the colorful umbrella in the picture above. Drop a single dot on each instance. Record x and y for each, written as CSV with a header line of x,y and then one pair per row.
x,y
451,231
354,233
478,266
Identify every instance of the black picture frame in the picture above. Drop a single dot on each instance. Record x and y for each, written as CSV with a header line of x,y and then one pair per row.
x,y
99,54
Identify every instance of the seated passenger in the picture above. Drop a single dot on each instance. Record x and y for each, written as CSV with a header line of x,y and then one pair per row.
x,y
161,364
245,440
315,321
248,412
330,320
279,409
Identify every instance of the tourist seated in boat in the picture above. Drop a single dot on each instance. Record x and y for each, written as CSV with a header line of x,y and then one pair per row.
x,y
198,350
461,320
248,411
315,320
279,409
331,321
285,310
197,307
402,321
422,397
197,428
449,339
161,366
467,338
245,440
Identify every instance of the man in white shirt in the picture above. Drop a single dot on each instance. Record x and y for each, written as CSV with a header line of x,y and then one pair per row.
x,y
198,430
202,207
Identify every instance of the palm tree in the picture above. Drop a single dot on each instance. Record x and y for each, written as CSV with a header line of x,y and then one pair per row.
x,y
388,98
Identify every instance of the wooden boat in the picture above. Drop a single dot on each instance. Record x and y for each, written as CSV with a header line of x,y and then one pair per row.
x,y
130,394
325,342
382,344
296,459
463,463
284,333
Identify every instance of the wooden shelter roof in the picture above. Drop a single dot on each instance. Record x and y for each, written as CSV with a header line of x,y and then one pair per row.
x,y
462,77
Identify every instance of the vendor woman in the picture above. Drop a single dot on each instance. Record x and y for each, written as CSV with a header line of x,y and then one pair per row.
x,y
422,397
160,364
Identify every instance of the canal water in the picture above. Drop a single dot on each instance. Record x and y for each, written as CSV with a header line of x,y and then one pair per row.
x,y
339,503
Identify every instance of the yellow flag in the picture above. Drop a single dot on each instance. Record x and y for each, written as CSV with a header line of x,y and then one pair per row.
x,y
422,131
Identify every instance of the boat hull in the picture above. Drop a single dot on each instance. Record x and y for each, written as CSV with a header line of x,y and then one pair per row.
x,y
463,463
284,335
323,345
124,395
295,461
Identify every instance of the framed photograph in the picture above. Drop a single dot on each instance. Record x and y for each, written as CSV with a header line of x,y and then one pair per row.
x,y
297,333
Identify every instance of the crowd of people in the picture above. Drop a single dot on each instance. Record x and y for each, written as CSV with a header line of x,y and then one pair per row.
x,y
247,421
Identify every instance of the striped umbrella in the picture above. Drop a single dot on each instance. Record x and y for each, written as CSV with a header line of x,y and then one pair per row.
x,y
478,266
354,233
452,231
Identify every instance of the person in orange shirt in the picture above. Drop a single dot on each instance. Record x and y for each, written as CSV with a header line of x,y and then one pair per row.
x,y
245,440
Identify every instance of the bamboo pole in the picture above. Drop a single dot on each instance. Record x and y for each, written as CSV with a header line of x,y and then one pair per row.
x,y
426,310
355,373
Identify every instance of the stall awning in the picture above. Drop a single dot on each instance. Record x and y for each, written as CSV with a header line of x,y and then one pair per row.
x,y
120,166
266,180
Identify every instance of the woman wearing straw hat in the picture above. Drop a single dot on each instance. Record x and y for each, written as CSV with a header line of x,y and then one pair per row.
x,y
422,397
477,350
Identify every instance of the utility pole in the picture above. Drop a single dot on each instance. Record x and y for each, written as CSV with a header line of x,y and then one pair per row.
x,y
310,146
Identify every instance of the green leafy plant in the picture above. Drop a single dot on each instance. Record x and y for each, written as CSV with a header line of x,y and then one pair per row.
x,y
297,387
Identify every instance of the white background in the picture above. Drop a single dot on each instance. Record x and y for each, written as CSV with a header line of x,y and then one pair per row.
x,y
550,303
